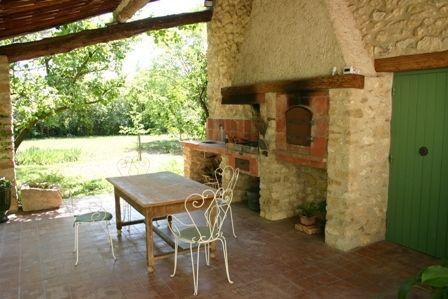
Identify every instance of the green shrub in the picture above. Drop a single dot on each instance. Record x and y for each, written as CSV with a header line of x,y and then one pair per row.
x,y
38,156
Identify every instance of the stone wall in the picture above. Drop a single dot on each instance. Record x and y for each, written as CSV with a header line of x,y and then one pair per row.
x,y
198,163
244,183
401,27
299,38
358,168
6,133
225,35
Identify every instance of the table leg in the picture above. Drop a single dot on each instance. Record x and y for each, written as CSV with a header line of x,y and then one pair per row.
x,y
118,212
213,244
149,241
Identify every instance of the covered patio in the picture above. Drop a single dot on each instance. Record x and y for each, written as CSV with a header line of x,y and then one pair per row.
x,y
304,98
268,260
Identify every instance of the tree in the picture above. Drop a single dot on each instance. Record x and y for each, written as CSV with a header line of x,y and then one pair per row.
x,y
173,89
43,87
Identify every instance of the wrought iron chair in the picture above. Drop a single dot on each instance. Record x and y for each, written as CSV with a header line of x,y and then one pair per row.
x,y
98,216
233,173
202,235
131,166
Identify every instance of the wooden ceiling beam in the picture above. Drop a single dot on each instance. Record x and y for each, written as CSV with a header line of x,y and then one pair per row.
x,y
127,8
66,43
414,62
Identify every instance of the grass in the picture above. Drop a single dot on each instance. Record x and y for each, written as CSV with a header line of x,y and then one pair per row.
x,y
38,156
80,165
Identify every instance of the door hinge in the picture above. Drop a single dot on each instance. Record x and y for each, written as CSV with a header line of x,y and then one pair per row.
x,y
393,91
390,158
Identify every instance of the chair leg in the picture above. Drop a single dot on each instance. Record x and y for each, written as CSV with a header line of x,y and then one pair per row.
x,y
226,257
195,269
175,258
231,221
110,240
77,243
74,230
207,254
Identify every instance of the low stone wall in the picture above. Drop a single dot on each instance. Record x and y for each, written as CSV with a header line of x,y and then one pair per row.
x,y
245,182
197,163
6,130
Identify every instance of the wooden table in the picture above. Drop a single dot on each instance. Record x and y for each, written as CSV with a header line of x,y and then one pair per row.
x,y
155,196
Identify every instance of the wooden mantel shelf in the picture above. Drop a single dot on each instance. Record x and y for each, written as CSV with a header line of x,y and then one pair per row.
x,y
250,94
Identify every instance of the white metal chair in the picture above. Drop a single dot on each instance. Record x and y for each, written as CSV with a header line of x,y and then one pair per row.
x,y
98,216
233,173
202,235
131,166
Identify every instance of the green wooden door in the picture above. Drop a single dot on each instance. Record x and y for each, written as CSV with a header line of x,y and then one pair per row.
x,y
417,214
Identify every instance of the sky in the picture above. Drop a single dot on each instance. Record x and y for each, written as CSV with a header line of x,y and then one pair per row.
x,y
144,51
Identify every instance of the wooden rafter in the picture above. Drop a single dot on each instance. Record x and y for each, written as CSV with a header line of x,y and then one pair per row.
x,y
414,62
127,8
27,16
66,43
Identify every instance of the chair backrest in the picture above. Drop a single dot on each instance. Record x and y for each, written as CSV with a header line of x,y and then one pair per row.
x,y
133,165
214,214
229,171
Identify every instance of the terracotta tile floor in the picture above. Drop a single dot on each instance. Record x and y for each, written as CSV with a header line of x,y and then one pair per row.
x,y
268,260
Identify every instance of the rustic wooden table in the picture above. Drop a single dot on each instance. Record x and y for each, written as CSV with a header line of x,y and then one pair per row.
x,y
155,196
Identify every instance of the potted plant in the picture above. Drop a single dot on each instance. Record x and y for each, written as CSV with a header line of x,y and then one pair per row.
x,y
432,278
40,196
5,198
308,213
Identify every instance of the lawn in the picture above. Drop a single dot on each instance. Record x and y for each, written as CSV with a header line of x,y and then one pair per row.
x,y
81,164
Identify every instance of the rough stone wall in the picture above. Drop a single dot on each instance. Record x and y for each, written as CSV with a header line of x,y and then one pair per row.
x,y
6,133
284,186
401,27
225,35
287,39
358,168
198,163
244,183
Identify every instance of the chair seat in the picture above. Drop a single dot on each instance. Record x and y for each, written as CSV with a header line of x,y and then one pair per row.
x,y
191,234
93,217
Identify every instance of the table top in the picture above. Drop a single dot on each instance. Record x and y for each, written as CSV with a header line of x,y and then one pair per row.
x,y
157,189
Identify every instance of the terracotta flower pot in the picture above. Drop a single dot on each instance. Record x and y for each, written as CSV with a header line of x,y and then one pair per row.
x,y
308,220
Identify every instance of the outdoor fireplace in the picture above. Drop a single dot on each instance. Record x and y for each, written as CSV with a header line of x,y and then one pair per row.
x,y
298,125
302,127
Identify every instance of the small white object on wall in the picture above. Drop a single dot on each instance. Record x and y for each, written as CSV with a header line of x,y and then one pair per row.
x,y
334,71
349,70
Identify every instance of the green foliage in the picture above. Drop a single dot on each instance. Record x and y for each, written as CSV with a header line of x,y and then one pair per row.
x,y
173,90
136,127
69,82
434,277
4,183
38,156
309,208
70,185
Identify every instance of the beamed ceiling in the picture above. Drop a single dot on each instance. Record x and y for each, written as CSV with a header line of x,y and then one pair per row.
x,y
19,17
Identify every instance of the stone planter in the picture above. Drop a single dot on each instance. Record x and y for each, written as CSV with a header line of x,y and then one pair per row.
x,y
5,203
36,199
